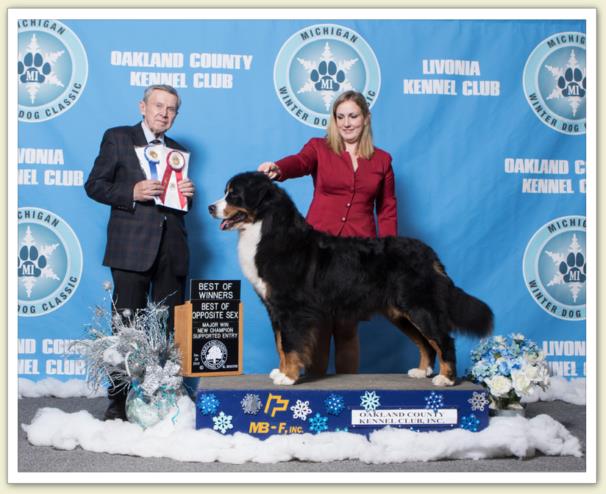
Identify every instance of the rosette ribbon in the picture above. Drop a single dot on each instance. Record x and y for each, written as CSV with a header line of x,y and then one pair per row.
x,y
175,161
151,155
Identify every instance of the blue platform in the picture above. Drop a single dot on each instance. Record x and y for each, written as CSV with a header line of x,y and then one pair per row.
x,y
360,403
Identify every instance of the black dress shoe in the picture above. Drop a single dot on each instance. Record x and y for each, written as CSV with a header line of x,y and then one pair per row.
x,y
115,410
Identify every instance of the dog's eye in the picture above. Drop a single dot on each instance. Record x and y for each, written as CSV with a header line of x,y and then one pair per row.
x,y
232,198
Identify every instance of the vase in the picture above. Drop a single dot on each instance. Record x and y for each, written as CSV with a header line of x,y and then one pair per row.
x,y
145,410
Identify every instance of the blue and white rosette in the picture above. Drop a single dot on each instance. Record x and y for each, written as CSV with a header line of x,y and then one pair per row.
x,y
153,157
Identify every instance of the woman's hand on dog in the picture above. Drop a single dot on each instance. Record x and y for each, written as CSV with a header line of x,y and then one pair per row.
x,y
270,169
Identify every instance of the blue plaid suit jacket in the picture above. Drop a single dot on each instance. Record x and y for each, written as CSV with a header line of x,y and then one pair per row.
x,y
134,230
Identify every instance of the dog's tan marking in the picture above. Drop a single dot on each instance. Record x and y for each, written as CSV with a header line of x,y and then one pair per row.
x,y
230,211
294,365
439,268
427,355
446,368
278,336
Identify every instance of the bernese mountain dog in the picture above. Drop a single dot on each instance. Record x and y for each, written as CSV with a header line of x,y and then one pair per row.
x,y
308,280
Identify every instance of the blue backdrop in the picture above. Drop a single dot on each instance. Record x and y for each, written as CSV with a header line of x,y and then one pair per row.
x,y
485,121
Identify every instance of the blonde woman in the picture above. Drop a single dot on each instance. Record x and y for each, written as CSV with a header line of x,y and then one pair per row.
x,y
352,179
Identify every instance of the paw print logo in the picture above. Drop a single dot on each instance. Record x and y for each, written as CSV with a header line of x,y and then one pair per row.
x,y
573,269
33,68
327,77
570,270
34,262
31,262
572,82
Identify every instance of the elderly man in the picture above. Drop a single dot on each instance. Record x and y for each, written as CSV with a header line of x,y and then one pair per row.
x,y
146,244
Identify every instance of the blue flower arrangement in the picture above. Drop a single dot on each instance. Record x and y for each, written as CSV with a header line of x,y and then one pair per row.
x,y
510,367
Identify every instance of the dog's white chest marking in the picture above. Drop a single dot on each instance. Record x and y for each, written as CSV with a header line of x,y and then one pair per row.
x,y
247,249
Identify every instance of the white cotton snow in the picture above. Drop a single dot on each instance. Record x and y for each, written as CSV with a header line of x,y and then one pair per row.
x,y
573,391
178,440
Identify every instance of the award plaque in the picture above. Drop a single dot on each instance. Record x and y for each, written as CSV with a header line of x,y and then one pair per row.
x,y
208,329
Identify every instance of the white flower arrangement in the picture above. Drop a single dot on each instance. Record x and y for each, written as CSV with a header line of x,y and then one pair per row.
x,y
510,367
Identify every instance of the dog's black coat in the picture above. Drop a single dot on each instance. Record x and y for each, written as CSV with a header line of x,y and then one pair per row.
x,y
314,279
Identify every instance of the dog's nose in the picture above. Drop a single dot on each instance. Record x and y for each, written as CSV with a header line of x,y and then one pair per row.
x,y
212,209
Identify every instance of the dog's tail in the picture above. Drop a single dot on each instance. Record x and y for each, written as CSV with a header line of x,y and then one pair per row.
x,y
469,314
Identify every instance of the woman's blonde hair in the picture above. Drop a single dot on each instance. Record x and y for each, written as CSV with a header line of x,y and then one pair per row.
x,y
365,146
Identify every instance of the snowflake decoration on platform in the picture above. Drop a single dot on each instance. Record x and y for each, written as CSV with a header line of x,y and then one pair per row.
x,y
434,401
334,404
478,401
318,423
301,410
251,404
222,423
470,423
369,401
208,404
339,429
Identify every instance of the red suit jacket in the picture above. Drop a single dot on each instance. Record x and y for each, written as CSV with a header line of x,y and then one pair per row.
x,y
343,202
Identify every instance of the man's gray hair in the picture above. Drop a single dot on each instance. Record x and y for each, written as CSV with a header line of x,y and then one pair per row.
x,y
161,87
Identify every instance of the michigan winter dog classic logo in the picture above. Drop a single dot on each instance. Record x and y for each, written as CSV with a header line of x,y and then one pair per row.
x,y
52,69
554,267
49,261
318,63
555,82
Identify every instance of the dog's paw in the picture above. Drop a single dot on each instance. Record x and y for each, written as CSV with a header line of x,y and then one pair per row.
x,y
277,376
283,380
420,373
441,380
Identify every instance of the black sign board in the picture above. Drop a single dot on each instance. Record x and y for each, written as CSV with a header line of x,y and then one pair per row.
x,y
215,290
215,336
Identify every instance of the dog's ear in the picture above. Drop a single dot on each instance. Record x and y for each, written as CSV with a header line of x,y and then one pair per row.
x,y
262,191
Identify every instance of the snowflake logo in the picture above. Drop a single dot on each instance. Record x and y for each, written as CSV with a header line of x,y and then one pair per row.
x,y
571,268
570,82
251,404
470,423
301,410
369,401
208,404
222,423
36,68
434,401
33,262
334,404
318,423
327,76
478,401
